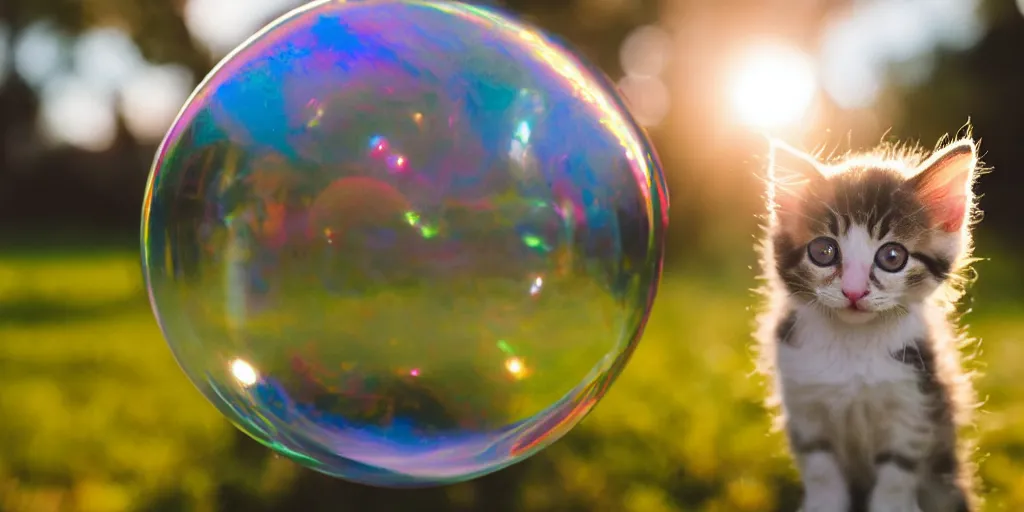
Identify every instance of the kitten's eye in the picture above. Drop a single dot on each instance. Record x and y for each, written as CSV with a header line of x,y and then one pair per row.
x,y
891,257
823,251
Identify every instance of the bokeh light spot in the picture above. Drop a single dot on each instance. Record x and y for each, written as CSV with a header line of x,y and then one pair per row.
x,y
151,98
106,58
646,51
535,288
222,24
648,97
77,113
38,52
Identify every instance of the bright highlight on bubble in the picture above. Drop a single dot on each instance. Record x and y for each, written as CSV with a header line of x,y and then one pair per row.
x,y
243,372
395,266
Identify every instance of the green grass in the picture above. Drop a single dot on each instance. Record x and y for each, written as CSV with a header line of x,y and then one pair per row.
x,y
96,415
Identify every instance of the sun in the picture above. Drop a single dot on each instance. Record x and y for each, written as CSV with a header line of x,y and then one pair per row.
x,y
773,86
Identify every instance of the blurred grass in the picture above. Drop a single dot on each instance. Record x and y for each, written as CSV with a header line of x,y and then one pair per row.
x,y
96,416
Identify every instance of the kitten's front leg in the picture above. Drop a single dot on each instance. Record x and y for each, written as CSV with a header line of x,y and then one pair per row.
x,y
825,487
896,483
909,435
898,464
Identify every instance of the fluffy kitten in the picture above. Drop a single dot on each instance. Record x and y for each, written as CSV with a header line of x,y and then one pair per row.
x,y
863,259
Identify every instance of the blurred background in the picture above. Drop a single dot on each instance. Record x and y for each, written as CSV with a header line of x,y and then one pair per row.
x,y
96,416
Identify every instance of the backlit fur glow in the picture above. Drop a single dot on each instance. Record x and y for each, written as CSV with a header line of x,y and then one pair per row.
x,y
871,391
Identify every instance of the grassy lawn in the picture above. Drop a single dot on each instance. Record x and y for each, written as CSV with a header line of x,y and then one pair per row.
x,y
96,415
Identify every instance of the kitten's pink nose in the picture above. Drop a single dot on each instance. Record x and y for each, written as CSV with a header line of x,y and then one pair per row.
x,y
855,295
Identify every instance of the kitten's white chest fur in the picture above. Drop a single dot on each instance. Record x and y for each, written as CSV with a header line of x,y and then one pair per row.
x,y
844,385
824,352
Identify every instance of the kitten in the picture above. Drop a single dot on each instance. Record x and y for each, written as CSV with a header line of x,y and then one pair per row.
x,y
863,259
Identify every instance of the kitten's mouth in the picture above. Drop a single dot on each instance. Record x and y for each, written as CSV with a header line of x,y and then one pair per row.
x,y
854,315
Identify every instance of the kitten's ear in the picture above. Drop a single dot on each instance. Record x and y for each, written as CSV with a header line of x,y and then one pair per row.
x,y
943,185
789,173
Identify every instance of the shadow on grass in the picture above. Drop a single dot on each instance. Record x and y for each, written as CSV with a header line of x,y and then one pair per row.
x,y
314,492
683,488
32,310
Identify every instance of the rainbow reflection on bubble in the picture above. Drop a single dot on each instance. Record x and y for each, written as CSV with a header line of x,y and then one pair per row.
x,y
402,242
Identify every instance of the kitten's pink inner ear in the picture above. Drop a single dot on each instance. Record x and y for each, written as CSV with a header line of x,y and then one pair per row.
x,y
943,185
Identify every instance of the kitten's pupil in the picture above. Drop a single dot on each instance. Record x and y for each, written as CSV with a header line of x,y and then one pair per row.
x,y
892,257
823,251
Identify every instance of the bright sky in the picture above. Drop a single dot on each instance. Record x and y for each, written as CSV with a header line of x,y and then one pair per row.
x,y
859,46
775,85
84,82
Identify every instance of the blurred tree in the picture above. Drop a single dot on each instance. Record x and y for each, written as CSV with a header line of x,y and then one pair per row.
x,y
115,177
983,85
157,27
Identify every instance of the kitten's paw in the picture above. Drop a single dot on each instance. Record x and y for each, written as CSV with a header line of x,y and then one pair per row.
x,y
881,503
895,491
826,502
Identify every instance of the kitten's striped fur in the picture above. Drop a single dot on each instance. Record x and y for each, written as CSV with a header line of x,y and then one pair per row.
x,y
870,388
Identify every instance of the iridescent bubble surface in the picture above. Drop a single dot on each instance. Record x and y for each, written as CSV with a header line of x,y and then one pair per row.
x,y
404,243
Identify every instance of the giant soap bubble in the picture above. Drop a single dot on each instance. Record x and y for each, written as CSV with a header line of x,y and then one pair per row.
x,y
403,242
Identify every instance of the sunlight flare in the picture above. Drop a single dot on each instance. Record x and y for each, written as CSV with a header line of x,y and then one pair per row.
x,y
773,86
